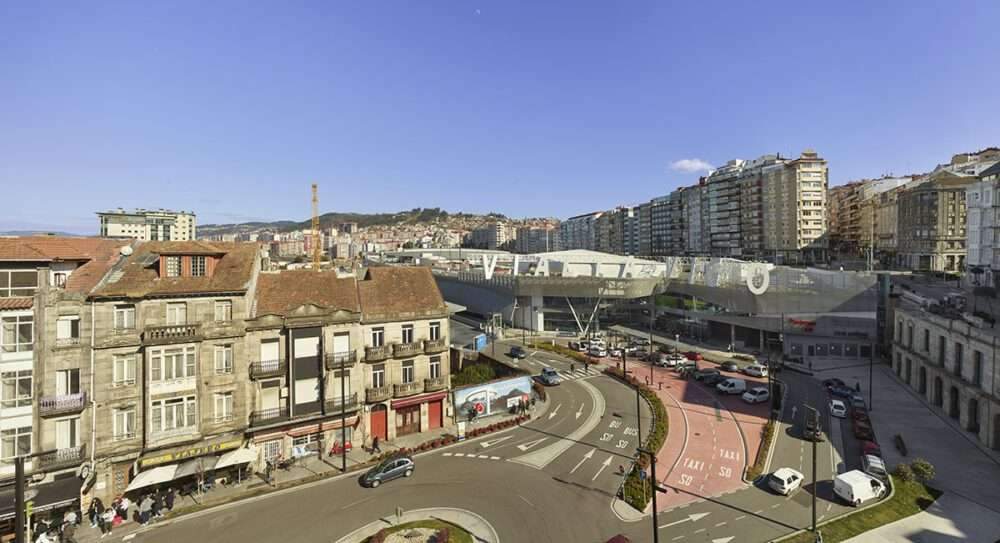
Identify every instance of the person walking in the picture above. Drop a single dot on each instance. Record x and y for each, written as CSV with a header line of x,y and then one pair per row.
x,y
94,512
69,533
158,504
122,508
168,500
375,447
145,508
107,520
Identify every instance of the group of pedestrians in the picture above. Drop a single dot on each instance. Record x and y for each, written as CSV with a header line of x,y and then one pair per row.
x,y
49,531
151,505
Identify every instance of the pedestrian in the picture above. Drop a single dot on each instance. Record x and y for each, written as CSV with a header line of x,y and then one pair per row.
x,y
69,517
375,447
158,504
94,512
107,520
122,508
145,508
168,500
572,367
69,533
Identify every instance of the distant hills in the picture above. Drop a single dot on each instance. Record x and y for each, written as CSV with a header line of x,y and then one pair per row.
x,y
327,220
36,233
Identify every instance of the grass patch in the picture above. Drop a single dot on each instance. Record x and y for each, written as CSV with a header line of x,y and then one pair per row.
x,y
455,534
564,351
910,498
757,468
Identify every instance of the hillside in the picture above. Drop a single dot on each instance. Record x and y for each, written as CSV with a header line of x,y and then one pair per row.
x,y
327,220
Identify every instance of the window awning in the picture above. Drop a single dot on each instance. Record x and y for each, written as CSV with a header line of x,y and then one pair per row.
x,y
155,476
415,400
196,466
47,496
239,456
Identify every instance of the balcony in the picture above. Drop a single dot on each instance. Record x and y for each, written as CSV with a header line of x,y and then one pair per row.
x,y
68,342
435,383
407,389
408,349
269,416
377,354
335,360
62,404
349,403
262,369
435,346
60,458
378,394
177,333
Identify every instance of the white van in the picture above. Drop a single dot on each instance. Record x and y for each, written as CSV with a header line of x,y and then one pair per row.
x,y
856,487
732,386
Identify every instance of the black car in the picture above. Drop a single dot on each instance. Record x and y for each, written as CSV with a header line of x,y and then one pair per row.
x,y
705,373
831,383
713,379
729,366
517,352
387,470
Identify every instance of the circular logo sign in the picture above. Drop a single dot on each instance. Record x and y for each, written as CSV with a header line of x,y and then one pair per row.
x,y
758,279
479,407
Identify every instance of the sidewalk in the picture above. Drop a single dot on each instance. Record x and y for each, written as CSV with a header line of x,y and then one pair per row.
x,y
951,518
480,529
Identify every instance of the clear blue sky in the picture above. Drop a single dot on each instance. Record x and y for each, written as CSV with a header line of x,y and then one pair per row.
x,y
232,109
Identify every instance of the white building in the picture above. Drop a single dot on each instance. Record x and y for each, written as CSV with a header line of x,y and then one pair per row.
x,y
148,224
983,258
580,232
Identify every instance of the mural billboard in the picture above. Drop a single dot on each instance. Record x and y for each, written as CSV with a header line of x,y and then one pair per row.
x,y
497,397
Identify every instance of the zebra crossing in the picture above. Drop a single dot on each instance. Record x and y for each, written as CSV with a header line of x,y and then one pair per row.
x,y
578,373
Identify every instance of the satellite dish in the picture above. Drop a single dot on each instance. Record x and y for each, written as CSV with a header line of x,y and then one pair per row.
x,y
126,250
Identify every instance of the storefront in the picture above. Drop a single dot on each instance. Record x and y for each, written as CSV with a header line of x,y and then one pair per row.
x,y
195,468
47,501
303,440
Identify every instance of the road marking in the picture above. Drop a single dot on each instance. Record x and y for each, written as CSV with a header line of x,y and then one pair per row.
x,y
723,539
741,517
484,456
362,500
759,511
530,444
678,538
828,506
775,505
445,454
821,517
493,442
720,524
699,530
540,458
494,458
586,457
554,412
604,464
579,412
693,517
526,500
128,537
459,454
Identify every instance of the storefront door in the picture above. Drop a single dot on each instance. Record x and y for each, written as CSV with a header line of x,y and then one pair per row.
x,y
380,424
407,420
434,415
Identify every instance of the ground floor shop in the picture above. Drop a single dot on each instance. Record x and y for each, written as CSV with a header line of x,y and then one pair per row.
x,y
309,438
400,417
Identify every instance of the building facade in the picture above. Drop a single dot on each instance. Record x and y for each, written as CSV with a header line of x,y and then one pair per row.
x,y
148,225
932,221
795,209
983,212
580,232
537,240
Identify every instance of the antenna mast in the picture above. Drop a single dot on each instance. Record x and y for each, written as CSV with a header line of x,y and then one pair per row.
x,y
315,229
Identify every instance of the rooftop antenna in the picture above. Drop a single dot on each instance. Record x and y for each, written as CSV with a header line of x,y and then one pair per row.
x,y
315,227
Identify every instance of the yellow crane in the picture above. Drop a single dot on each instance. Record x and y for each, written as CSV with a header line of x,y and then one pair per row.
x,y
316,241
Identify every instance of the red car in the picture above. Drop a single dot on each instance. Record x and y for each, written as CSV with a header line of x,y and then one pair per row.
x,y
870,447
863,431
693,355
859,414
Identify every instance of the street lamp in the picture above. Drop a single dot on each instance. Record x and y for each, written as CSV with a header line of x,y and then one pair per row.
x,y
813,415
656,488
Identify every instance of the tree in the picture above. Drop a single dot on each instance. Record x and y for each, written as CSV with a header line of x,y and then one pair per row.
x,y
903,472
922,469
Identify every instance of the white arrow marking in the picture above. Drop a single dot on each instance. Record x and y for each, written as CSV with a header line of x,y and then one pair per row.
x,y
530,444
579,412
586,457
723,539
693,517
605,464
493,442
794,408
554,412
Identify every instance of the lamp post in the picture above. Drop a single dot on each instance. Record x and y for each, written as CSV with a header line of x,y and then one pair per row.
x,y
814,416
656,488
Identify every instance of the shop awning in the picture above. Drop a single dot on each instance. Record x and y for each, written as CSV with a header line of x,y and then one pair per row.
x,y
239,456
46,496
196,466
155,476
415,400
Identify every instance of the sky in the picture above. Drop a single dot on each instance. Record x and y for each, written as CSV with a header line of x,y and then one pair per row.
x,y
232,109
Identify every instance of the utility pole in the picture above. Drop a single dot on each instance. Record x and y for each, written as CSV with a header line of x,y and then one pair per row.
x,y
815,419
315,228
656,486
343,414
19,499
871,370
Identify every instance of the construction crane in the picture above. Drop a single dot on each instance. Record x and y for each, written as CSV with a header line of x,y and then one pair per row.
x,y
316,241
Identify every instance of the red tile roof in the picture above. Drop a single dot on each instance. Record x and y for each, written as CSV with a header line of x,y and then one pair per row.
x,y
96,255
281,293
20,302
388,293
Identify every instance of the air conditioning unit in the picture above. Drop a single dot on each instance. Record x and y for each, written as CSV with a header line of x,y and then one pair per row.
x,y
284,392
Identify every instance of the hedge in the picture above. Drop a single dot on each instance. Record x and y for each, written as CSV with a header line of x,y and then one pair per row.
x,y
757,468
565,351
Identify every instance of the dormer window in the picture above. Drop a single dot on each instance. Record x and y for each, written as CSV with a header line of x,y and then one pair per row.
x,y
173,266
187,265
197,266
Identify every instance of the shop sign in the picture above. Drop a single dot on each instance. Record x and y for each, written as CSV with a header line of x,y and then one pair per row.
x,y
190,453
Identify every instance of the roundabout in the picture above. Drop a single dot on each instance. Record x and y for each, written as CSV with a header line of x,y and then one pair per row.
x,y
427,525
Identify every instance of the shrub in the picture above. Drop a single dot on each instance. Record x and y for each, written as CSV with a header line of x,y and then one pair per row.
x,y
443,535
473,375
922,469
379,536
903,473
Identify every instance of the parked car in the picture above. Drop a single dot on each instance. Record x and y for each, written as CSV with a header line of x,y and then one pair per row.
x,y
842,392
615,353
694,355
517,352
713,379
549,377
833,382
784,481
838,409
872,448
641,354
874,466
858,401
686,366
732,386
597,352
575,345
730,367
701,374
756,395
863,430
856,487
812,430
755,370
860,414
387,470
583,346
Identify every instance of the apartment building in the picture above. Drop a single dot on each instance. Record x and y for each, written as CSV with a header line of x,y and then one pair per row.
x,y
493,236
644,225
794,196
950,359
632,231
693,217
723,189
148,224
845,217
932,222
659,225
580,232
532,240
983,245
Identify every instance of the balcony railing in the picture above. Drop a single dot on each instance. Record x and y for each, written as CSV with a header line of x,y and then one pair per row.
x,y
335,360
408,349
61,404
378,394
407,389
435,383
67,342
177,333
377,354
347,403
268,416
60,458
262,369
435,345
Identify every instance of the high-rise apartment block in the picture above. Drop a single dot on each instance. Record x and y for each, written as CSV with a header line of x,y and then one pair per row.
x,y
532,239
148,225
580,232
493,236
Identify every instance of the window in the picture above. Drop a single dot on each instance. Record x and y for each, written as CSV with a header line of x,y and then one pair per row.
x,y
941,350
958,358
435,367
927,341
909,335
310,442
378,337
177,313
977,368
59,279
407,333
197,266
223,310
173,266
15,390
124,420
68,329
435,330
16,334
224,407
124,317
173,414
68,433
18,283
378,376
223,359
172,363
67,382
15,442
407,371
123,372
272,449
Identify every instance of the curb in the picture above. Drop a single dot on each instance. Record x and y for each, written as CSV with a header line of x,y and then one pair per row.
x,y
777,422
892,492
426,513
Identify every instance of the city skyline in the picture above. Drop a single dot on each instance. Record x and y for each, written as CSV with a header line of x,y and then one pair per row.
x,y
552,110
